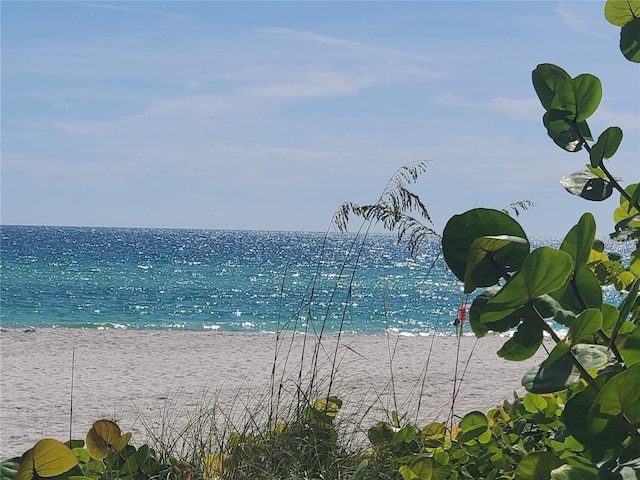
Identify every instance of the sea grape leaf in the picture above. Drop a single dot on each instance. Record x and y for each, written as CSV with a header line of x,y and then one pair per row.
x,y
479,250
621,12
9,468
562,129
634,262
634,192
609,318
562,373
606,146
103,437
624,211
473,425
544,270
323,411
620,396
361,471
590,430
461,231
555,377
546,78
627,229
573,472
561,348
630,40
579,240
583,289
421,469
591,357
480,329
587,185
380,434
587,323
524,343
48,458
556,90
631,349
623,281
537,466
587,93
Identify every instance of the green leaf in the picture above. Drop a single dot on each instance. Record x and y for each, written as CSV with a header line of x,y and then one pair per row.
x,y
544,270
9,468
624,211
562,129
479,250
524,343
477,307
620,396
473,425
380,434
579,240
606,146
634,262
630,40
537,466
534,403
48,458
361,471
103,437
561,348
420,470
587,93
587,185
610,316
591,357
546,80
462,230
555,377
621,12
583,289
587,323
631,349
562,373
634,193
588,429
571,472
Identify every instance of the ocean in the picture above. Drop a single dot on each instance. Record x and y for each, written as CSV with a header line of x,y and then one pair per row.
x,y
238,281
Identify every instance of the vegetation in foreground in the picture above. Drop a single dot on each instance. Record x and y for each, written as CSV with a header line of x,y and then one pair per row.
x,y
581,416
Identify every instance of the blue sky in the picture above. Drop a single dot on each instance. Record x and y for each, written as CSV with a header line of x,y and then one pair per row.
x,y
268,115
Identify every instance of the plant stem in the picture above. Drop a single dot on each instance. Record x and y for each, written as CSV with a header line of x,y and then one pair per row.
x,y
633,432
583,304
602,167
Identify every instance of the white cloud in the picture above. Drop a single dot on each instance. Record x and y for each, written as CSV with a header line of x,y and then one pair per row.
x,y
519,108
123,7
342,43
573,15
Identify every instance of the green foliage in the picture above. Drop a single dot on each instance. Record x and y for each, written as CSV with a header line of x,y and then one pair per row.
x,y
585,409
626,14
108,455
305,447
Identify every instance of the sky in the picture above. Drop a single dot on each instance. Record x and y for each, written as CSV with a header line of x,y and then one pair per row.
x,y
269,115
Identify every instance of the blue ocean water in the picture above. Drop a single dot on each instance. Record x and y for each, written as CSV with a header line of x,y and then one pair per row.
x,y
224,280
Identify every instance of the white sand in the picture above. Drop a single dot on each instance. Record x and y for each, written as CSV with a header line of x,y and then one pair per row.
x,y
138,377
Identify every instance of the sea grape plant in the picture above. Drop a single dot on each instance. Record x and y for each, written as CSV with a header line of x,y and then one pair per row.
x,y
596,363
105,454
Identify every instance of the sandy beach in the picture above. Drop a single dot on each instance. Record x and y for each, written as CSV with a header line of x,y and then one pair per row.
x,y
147,378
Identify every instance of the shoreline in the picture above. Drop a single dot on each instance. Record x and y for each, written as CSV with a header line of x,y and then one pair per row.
x,y
142,377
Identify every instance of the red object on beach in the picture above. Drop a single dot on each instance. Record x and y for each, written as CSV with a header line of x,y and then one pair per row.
x,y
462,314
